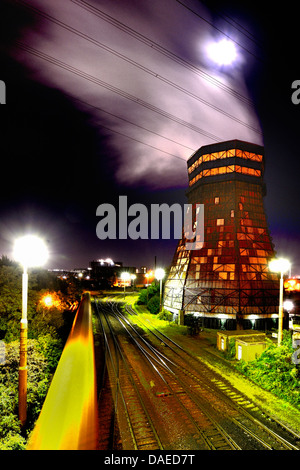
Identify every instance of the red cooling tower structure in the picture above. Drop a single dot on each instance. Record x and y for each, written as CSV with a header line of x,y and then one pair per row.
x,y
227,281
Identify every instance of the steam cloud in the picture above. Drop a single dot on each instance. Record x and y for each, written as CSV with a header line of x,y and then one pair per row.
x,y
141,72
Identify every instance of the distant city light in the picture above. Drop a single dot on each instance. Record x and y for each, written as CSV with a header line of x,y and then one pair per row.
x,y
222,52
292,284
107,261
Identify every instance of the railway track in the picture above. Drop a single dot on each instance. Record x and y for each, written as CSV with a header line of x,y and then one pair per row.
x,y
128,403
214,414
245,414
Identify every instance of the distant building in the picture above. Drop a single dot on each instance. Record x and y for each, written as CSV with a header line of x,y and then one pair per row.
x,y
106,273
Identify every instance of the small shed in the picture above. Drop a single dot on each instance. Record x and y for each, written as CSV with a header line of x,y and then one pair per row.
x,y
224,337
249,348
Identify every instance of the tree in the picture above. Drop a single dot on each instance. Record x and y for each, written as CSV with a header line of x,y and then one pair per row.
x,y
154,304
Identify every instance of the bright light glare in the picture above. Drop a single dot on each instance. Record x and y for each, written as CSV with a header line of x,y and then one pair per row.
x,y
222,52
125,276
47,301
288,305
159,274
280,265
30,251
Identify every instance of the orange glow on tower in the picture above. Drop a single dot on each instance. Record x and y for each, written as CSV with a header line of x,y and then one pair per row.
x,y
227,281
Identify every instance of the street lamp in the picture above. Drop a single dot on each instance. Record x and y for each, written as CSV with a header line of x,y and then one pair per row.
x,y
125,276
280,265
160,274
133,278
48,301
30,251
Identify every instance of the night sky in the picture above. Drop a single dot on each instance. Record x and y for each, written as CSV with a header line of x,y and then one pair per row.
x,y
110,98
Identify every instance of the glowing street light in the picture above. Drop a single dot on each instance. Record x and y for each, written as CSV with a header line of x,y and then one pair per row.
x,y
48,301
160,274
30,251
288,305
125,277
133,278
222,52
280,265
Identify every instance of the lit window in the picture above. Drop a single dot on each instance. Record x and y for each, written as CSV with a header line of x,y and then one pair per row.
x,y
232,213
217,200
223,275
220,221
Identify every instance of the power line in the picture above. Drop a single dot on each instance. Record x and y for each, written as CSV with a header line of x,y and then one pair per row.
x,y
131,123
115,90
141,67
144,143
218,29
157,47
235,24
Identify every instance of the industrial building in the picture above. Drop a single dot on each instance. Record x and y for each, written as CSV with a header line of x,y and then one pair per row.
x,y
226,281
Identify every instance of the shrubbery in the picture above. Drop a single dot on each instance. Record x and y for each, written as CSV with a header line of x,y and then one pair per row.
x,y
150,298
43,356
48,328
275,371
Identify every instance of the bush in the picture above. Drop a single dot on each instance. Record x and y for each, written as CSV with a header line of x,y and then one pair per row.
x,y
153,304
274,371
43,356
142,298
165,315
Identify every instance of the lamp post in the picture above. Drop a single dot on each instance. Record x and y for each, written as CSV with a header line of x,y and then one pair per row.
x,y
160,274
125,276
280,265
133,278
30,251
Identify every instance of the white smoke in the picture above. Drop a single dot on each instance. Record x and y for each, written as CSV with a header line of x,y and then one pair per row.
x,y
140,70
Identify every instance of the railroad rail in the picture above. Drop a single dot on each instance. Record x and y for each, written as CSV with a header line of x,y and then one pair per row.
x,y
206,432
245,414
216,414
129,403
